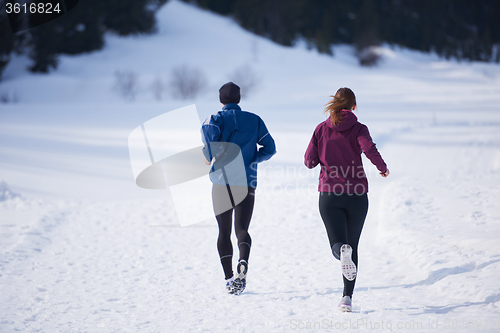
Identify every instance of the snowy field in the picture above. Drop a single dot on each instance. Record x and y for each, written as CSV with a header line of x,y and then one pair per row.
x,y
83,249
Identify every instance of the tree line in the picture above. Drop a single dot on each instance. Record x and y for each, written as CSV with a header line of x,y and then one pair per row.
x,y
80,30
463,29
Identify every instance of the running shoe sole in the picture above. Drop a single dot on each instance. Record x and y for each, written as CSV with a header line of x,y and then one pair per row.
x,y
242,269
239,283
346,264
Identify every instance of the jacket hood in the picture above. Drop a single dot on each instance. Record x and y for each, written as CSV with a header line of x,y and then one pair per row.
x,y
349,119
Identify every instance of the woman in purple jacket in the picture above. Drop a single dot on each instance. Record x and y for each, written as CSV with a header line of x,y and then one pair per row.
x,y
337,144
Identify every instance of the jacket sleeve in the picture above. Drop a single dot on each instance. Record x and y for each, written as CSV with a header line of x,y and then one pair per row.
x,y
366,143
311,157
210,132
268,148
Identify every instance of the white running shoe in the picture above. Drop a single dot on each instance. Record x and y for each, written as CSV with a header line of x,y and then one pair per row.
x,y
240,282
346,264
345,304
229,285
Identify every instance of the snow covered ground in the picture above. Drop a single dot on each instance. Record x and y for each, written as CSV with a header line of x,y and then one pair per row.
x,y
84,249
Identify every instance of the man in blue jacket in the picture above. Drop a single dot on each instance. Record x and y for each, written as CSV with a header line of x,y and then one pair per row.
x,y
235,141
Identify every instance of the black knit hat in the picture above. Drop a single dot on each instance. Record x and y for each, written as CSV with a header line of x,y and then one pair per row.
x,y
229,93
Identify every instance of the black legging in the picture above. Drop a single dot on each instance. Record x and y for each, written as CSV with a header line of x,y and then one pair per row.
x,y
344,216
242,216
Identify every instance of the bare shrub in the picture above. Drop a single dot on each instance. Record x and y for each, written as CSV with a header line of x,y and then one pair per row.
x,y
6,97
366,48
245,77
366,43
368,56
187,82
127,83
158,88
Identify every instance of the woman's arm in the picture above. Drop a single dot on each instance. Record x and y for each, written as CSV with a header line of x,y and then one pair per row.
x,y
366,143
311,157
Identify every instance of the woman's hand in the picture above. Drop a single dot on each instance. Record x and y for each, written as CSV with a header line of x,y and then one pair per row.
x,y
207,162
385,174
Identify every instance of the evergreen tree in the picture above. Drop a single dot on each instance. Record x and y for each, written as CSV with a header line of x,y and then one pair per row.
x,y
6,42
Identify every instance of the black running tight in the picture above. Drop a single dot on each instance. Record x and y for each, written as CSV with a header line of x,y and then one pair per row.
x,y
344,216
242,216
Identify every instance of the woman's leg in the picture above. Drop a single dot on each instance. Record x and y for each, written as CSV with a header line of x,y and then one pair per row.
x,y
242,217
331,209
357,208
343,216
